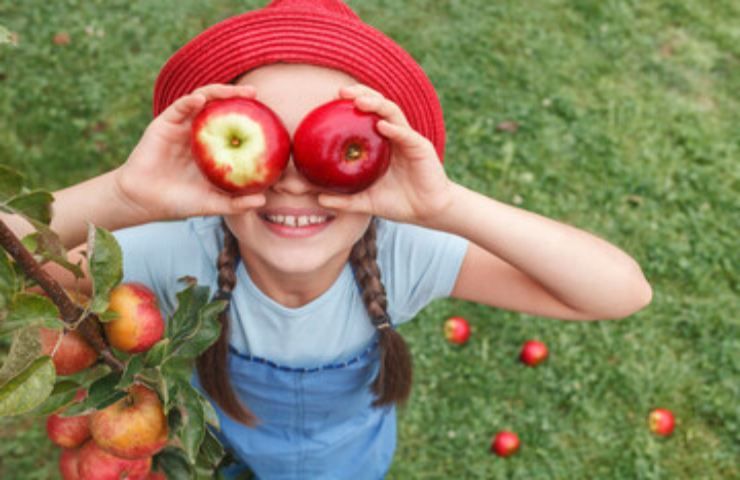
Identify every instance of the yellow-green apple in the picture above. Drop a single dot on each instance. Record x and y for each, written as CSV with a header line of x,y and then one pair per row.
x,y
72,355
533,353
457,330
338,147
661,422
240,144
139,324
68,463
133,427
505,443
97,464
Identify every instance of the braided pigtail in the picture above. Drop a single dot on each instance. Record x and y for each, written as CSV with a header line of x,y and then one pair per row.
x,y
393,383
212,364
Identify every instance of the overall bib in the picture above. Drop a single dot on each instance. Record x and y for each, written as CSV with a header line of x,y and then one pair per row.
x,y
314,423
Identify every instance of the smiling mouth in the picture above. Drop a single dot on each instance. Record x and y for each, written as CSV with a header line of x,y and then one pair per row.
x,y
297,221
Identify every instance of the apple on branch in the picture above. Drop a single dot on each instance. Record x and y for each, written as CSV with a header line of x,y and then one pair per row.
x,y
338,147
139,324
133,427
94,463
240,145
71,353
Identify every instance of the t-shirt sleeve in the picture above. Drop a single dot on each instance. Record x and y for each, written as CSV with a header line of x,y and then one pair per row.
x,y
159,255
418,265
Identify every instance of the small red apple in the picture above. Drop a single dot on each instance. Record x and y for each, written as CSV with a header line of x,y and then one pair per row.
x,y
97,464
68,463
72,355
533,353
133,427
457,330
338,147
240,144
661,422
139,324
68,432
505,443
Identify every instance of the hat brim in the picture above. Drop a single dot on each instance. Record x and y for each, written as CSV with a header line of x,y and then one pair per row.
x,y
236,45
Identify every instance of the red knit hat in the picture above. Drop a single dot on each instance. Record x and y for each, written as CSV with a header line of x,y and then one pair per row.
x,y
319,32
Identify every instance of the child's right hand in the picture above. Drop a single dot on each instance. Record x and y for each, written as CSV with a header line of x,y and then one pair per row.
x,y
161,181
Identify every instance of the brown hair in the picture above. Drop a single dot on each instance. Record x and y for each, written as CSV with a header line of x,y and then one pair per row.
x,y
393,383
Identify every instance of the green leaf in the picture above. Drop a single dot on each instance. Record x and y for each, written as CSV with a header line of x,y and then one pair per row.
x,y
102,392
106,266
11,181
24,350
134,365
29,389
174,463
8,280
46,244
34,205
31,310
205,332
158,352
185,319
211,451
194,421
62,395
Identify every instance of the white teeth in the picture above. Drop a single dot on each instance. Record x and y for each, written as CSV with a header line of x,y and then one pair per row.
x,y
293,221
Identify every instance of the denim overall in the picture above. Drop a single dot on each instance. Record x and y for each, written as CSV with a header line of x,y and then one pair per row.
x,y
314,423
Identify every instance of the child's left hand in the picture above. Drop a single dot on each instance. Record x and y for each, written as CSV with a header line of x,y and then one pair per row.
x,y
415,188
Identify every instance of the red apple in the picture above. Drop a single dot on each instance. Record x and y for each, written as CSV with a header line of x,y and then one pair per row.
x,y
133,427
505,444
69,464
139,324
156,476
240,145
338,147
72,355
661,422
533,353
97,464
68,432
457,330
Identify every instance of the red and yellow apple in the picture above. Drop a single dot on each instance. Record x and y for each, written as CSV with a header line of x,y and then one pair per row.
x,y
661,422
68,432
69,463
505,443
96,464
457,330
338,147
72,355
133,427
533,353
240,145
139,324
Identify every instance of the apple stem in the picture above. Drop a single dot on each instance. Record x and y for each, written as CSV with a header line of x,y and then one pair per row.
x,y
70,312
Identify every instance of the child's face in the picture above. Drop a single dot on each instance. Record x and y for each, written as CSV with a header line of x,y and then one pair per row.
x,y
292,91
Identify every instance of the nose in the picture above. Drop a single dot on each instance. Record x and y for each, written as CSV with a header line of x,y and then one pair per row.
x,y
291,181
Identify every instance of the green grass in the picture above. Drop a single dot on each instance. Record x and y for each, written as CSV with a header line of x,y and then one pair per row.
x,y
628,115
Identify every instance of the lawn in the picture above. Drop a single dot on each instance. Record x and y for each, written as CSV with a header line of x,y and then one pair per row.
x,y
619,117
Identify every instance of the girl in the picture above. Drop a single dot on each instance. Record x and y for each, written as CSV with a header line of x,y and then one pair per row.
x,y
309,368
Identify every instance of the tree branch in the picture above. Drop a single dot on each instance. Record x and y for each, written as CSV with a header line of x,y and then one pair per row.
x,y
71,313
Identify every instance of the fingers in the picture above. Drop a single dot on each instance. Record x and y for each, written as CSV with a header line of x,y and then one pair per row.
x,y
369,100
187,105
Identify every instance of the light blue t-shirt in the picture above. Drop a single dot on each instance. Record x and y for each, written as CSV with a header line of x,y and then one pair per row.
x,y
417,265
